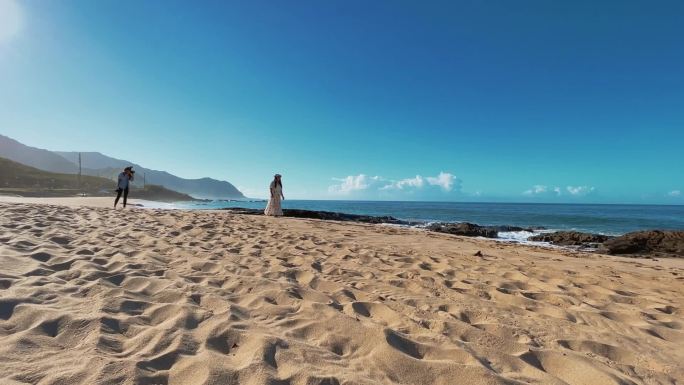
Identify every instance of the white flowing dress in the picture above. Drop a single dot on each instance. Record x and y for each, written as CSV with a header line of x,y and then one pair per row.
x,y
273,208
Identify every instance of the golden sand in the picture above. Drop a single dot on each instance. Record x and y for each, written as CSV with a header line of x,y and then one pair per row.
x,y
90,295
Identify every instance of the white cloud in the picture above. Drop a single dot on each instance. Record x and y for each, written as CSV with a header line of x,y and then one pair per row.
x,y
674,193
536,190
354,183
543,190
417,182
444,180
580,190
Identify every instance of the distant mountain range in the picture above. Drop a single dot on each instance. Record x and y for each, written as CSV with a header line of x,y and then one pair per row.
x,y
97,164
22,180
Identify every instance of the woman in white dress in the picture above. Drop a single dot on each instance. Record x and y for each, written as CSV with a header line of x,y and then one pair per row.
x,y
273,208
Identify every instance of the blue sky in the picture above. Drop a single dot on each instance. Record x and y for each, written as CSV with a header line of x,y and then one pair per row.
x,y
530,101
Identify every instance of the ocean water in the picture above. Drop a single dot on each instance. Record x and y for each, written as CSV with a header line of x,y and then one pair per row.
x,y
594,218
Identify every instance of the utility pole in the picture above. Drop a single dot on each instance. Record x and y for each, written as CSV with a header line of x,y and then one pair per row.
x,y
143,179
79,170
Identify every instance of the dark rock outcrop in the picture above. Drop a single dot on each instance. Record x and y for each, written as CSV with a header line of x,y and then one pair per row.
x,y
651,242
333,216
642,243
571,238
326,215
464,228
506,228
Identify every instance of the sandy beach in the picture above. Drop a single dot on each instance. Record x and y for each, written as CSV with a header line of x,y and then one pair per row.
x,y
90,295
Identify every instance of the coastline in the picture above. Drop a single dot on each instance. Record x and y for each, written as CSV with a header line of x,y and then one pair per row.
x,y
647,244
643,244
597,219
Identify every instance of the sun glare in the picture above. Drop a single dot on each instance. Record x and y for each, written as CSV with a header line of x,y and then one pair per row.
x,y
10,19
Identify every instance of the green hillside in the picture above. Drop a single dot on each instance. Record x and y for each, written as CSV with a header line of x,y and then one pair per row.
x,y
19,179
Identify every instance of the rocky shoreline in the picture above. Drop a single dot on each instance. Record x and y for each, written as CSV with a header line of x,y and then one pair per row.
x,y
472,230
649,243
327,215
571,238
652,243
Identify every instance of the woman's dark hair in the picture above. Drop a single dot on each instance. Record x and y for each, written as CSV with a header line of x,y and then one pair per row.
x,y
278,182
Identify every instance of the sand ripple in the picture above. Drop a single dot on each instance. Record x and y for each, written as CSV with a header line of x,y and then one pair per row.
x,y
95,296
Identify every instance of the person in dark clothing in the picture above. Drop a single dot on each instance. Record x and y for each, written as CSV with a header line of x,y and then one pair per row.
x,y
123,183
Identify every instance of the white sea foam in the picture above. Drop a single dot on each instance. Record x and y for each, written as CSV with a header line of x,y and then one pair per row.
x,y
523,237
517,236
